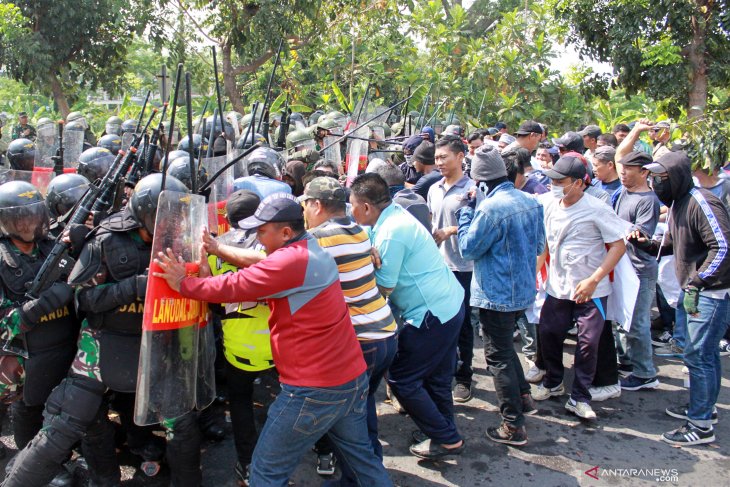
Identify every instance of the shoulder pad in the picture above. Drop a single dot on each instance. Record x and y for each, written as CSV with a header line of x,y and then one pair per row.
x,y
121,221
88,263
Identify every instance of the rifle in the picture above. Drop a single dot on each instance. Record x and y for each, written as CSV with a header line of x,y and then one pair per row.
x,y
218,97
58,158
152,147
284,126
266,125
141,114
265,108
166,162
97,198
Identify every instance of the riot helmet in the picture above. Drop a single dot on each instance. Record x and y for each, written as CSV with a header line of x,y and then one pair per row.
x,y
23,213
200,144
111,142
315,116
299,140
114,125
129,125
246,142
266,162
95,162
143,203
216,121
179,168
76,125
21,154
77,117
44,122
64,191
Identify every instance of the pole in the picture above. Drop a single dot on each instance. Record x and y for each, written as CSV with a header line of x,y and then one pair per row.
x,y
189,106
166,162
264,109
218,95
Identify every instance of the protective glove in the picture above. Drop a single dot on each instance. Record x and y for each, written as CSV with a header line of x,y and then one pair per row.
x,y
691,300
51,299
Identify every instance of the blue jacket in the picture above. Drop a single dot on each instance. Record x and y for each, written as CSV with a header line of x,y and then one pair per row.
x,y
503,236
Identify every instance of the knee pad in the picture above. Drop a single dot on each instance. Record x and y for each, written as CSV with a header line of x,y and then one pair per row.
x,y
72,406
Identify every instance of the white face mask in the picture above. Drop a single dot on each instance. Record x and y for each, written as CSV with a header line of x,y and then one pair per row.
x,y
409,160
557,192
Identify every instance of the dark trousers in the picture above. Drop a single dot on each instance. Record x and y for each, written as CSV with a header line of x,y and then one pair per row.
x,y
240,396
421,375
466,336
499,350
606,365
556,319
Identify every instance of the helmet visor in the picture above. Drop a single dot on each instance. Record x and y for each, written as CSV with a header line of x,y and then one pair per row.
x,y
26,223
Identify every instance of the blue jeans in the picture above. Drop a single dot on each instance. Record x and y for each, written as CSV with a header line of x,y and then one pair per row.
x,y
378,355
638,339
421,373
680,323
702,357
300,416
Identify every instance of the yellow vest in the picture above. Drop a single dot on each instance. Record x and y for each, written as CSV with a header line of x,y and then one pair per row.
x,y
246,336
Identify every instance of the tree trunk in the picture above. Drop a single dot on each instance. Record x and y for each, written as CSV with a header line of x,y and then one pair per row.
x,y
59,96
697,102
229,80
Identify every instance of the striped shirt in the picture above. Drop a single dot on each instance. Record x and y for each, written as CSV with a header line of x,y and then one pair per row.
x,y
350,246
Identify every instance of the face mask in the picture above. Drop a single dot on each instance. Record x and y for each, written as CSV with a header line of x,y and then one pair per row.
x,y
557,192
409,160
663,190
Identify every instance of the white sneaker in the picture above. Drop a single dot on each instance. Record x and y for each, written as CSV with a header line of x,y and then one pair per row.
x,y
542,392
604,393
580,409
534,375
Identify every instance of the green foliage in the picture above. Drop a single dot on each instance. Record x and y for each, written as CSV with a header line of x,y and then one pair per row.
x,y
707,140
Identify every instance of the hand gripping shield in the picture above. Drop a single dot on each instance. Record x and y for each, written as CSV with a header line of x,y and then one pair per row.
x,y
175,373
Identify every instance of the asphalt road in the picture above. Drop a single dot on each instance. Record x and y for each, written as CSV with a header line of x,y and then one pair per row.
x,y
623,443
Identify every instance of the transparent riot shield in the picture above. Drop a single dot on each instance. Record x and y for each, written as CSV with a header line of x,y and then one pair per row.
x,y
333,154
221,188
357,154
171,358
128,138
46,144
73,146
39,179
240,169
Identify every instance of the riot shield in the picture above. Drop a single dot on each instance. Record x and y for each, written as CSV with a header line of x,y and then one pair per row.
x,y
357,154
170,359
46,144
73,146
221,188
128,138
239,169
39,179
333,154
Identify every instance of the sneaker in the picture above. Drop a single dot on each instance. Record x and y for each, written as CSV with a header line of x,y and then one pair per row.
x,y
529,407
625,370
242,474
580,409
671,350
605,393
326,463
461,392
542,392
534,375
633,383
724,348
418,436
573,331
680,412
662,340
507,434
689,434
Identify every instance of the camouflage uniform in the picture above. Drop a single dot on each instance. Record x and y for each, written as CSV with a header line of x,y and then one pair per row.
x,y
19,132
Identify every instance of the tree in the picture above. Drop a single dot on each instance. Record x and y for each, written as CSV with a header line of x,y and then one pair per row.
x,y
675,50
63,46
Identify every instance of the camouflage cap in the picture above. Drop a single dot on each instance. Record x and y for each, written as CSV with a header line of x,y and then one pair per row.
x,y
324,188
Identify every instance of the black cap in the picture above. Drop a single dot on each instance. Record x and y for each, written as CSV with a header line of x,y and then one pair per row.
x,y
500,125
277,207
22,114
529,127
241,204
567,167
591,131
636,158
570,141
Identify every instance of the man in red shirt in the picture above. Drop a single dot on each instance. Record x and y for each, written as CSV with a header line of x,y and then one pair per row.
x,y
324,386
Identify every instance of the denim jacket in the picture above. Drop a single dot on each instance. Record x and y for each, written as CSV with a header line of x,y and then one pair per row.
x,y
503,236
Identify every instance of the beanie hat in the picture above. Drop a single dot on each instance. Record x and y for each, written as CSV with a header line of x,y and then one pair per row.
x,y
487,164
425,154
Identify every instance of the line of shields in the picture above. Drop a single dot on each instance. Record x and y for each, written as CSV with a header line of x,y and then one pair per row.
x,y
46,147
